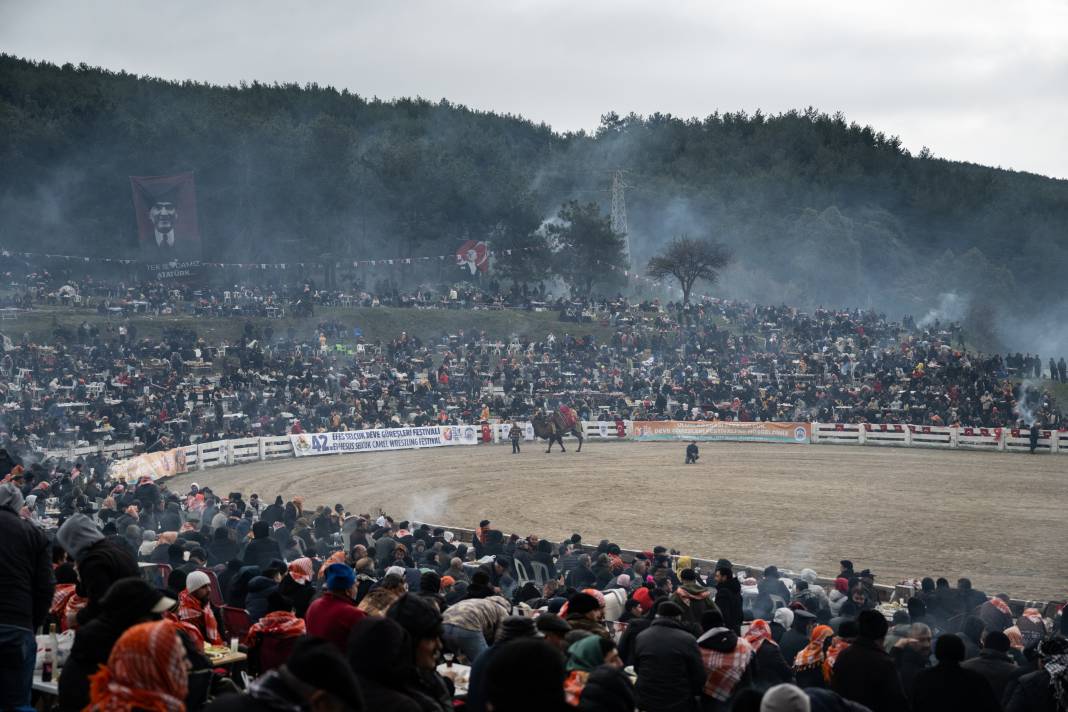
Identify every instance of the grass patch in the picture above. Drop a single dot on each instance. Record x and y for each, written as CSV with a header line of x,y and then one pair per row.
x,y
382,323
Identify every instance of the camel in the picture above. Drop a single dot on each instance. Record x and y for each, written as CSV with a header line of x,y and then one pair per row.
x,y
553,428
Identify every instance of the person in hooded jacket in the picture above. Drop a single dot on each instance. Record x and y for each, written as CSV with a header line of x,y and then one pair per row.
x,y
128,602
171,519
693,598
728,662
260,588
262,549
671,674
222,548
100,562
798,636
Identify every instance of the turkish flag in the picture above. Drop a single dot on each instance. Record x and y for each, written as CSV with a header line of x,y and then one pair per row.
x,y
474,256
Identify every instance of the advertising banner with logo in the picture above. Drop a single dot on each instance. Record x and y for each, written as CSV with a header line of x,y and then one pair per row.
x,y
721,430
307,444
155,465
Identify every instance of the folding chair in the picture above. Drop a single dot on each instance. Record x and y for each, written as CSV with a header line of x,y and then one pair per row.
x,y
541,573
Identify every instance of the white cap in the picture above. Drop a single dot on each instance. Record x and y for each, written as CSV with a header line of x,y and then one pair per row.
x,y
196,580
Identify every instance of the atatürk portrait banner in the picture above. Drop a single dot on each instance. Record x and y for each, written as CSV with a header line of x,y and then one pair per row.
x,y
166,211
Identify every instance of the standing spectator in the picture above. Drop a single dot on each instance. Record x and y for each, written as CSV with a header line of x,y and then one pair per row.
x,y
515,434
994,663
262,549
865,673
727,660
729,597
1043,690
949,686
28,583
670,672
693,598
771,668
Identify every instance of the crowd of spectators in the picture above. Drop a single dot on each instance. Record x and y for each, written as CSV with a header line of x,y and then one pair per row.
x,y
714,359
339,610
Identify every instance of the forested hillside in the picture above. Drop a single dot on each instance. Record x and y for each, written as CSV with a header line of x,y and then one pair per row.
x,y
817,210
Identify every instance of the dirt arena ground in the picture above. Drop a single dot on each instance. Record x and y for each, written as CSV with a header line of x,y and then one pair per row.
x,y
996,518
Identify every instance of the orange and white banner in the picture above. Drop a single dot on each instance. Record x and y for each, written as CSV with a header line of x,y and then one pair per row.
x,y
152,464
721,430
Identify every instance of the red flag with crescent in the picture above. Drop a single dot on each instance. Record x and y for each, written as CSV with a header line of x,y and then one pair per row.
x,y
474,256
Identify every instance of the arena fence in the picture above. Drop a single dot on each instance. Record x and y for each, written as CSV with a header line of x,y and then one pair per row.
x,y
208,455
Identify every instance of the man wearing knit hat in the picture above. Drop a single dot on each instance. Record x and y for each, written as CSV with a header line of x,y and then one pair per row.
x,y
333,615
194,606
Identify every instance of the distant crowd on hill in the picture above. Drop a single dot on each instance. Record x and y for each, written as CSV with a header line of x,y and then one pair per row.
x,y
712,359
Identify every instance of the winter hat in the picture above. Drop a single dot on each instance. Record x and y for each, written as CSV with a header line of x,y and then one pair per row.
x,y
417,616
447,581
623,580
552,623
582,603
398,570
785,698
430,582
872,625
669,609
133,598
644,598
78,534
196,580
514,627
339,577
784,617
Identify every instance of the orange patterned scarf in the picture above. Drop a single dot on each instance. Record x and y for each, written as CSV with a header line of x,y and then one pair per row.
x,y
147,670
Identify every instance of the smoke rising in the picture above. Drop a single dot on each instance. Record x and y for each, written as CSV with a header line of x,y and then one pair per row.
x,y
429,507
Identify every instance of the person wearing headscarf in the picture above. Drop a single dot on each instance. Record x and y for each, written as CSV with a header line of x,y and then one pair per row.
x,y
727,659
1046,689
147,670
771,667
194,607
583,657
297,585
847,633
277,622
128,602
808,664
28,584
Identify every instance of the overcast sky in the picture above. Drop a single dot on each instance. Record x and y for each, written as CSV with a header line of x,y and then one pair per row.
x,y
974,80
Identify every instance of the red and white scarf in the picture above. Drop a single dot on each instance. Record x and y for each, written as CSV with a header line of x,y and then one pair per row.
x,y
725,669
281,624
190,609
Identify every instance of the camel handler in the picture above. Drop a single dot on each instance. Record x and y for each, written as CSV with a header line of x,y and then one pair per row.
x,y
691,453
515,434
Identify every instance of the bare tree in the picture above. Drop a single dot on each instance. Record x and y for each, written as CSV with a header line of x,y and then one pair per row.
x,y
689,260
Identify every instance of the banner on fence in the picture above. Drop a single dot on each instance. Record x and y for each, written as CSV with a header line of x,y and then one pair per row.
x,y
721,430
155,465
387,439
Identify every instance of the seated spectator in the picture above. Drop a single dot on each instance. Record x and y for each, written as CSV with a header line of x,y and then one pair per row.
x,y
315,677
809,662
146,670
194,607
423,623
583,657
262,586
527,676
101,562
297,586
727,659
771,667
333,615
128,602
278,623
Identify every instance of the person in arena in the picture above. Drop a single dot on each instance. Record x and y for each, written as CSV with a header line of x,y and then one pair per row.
x,y
692,453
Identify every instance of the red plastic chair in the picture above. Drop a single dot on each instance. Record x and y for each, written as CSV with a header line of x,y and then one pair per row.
x,y
236,621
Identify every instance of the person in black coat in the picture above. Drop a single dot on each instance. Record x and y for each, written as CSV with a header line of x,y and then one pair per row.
x,y
797,638
262,549
1034,692
994,663
729,598
948,686
671,674
865,672
380,653
222,548
128,602
101,562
